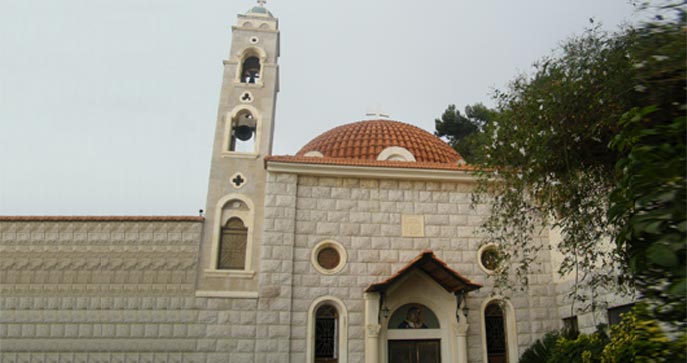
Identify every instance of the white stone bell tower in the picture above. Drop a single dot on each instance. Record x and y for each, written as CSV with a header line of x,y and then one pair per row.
x,y
230,248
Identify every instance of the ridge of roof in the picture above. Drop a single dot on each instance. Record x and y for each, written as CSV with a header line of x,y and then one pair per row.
x,y
101,218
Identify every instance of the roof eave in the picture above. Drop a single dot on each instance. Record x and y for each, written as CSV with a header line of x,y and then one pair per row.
x,y
368,171
424,257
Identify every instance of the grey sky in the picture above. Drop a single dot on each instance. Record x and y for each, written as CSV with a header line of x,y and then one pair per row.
x,y
108,107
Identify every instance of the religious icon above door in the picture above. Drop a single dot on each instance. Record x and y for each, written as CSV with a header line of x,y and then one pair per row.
x,y
413,316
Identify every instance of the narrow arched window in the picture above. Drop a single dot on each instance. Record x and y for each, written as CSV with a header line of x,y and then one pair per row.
x,y
495,329
250,70
326,334
232,245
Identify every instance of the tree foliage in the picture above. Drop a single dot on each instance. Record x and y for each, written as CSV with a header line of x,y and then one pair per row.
x,y
640,339
649,205
637,338
465,132
542,349
594,144
585,348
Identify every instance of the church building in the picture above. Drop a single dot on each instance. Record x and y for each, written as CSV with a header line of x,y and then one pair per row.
x,y
362,247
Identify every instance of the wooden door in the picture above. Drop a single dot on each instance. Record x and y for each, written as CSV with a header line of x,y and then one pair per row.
x,y
414,351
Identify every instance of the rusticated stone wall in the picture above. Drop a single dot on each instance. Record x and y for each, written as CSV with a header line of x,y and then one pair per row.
x,y
365,216
112,289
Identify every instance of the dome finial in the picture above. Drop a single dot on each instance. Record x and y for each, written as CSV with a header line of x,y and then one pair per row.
x,y
262,3
377,112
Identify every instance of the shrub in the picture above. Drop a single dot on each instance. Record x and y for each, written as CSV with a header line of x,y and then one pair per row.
x,y
541,349
641,340
586,348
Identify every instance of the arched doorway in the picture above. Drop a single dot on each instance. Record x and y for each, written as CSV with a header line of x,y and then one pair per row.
x,y
414,335
427,283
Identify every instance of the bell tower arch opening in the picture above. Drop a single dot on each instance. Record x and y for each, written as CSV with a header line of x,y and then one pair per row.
x,y
243,132
250,70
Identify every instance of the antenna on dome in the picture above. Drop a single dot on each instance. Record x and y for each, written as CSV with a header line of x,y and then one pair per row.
x,y
376,112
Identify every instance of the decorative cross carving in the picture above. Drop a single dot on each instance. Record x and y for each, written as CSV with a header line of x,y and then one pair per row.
x,y
238,180
262,2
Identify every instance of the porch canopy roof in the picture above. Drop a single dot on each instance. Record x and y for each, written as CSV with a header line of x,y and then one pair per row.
x,y
438,270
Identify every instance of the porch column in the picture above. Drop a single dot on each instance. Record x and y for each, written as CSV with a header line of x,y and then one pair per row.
x,y
372,327
461,330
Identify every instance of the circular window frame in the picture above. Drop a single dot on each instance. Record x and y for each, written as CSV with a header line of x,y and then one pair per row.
x,y
343,256
483,249
253,40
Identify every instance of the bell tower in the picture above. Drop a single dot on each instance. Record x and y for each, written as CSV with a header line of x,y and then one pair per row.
x,y
230,248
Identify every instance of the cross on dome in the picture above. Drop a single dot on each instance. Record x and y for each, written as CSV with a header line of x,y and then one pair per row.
x,y
377,112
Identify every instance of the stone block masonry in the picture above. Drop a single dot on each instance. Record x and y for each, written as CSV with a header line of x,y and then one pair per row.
x,y
105,289
123,290
325,208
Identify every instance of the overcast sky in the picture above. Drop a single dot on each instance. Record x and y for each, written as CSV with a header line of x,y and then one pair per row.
x,y
108,107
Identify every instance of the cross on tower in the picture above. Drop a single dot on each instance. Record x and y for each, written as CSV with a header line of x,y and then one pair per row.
x,y
238,180
262,2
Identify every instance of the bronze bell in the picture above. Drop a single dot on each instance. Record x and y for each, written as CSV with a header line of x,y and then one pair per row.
x,y
243,132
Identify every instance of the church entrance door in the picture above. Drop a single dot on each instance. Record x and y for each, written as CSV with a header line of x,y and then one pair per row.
x,y
414,351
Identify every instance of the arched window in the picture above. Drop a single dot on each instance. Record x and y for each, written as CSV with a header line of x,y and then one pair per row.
x,y
327,331
242,133
494,325
232,245
326,334
250,70
395,153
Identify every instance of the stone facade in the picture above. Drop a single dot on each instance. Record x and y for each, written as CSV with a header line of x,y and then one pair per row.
x,y
364,215
124,290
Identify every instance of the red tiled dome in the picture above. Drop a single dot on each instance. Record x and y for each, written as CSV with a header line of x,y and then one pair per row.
x,y
366,139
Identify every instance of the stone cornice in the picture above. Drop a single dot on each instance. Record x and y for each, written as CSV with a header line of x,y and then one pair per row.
x,y
370,172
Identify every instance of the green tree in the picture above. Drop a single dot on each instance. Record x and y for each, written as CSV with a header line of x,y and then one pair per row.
x,y
465,132
593,144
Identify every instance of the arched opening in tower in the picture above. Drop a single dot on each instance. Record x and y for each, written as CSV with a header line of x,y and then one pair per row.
x,y
243,133
250,70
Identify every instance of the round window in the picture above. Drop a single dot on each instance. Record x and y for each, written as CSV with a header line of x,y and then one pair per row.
x,y
489,257
328,257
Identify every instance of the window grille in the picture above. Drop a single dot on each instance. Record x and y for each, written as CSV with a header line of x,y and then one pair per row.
x,y
326,331
495,329
232,246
